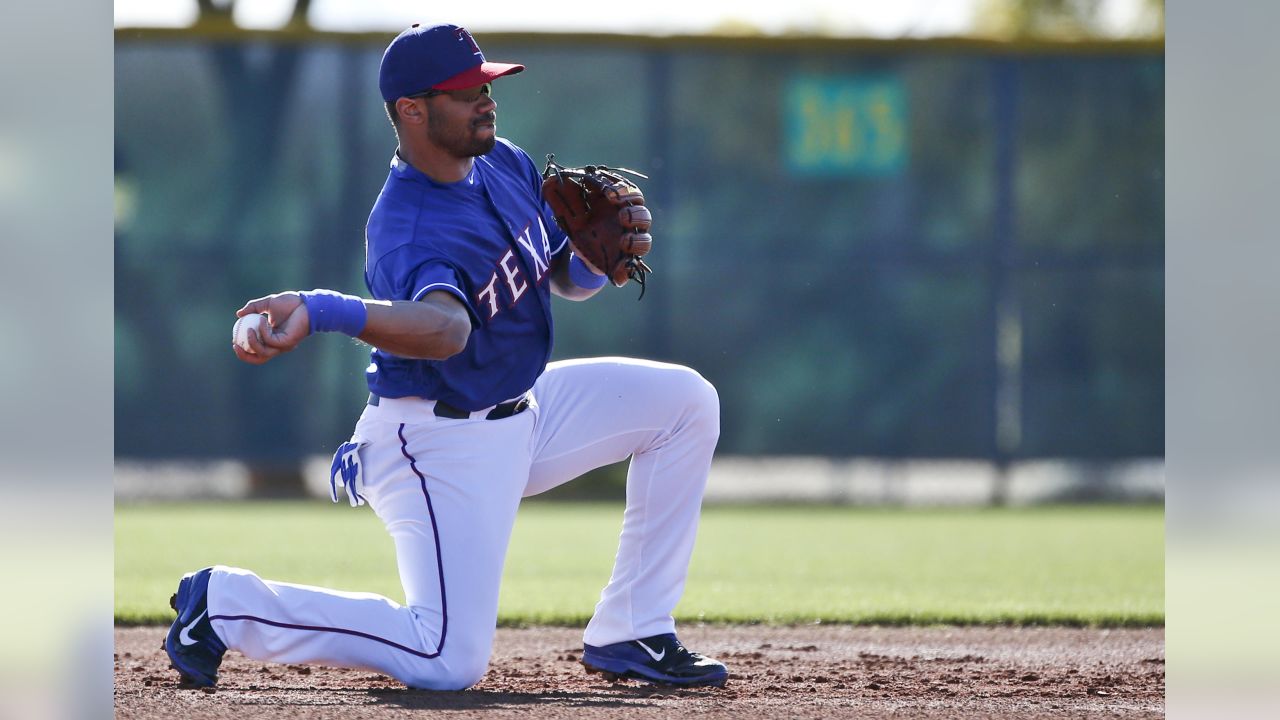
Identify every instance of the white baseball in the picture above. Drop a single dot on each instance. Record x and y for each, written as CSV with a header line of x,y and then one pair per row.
x,y
240,331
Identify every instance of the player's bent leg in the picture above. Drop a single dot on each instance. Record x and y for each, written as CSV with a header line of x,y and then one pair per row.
x,y
667,417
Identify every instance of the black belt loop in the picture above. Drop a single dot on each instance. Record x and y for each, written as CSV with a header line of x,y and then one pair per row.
x,y
506,409
499,412
445,410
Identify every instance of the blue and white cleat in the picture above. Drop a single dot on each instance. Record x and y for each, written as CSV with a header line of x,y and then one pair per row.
x,y
658,659
194,648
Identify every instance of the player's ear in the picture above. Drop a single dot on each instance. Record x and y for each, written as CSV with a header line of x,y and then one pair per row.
x,y
411,111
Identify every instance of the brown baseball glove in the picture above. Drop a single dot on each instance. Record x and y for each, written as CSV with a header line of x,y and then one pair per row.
x,y
604,216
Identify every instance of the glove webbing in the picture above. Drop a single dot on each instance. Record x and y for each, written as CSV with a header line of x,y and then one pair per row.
x,y
636,265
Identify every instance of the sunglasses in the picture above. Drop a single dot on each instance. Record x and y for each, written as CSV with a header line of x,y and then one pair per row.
x,y
468,96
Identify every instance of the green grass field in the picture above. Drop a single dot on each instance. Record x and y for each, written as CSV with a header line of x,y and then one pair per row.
x,y
795,564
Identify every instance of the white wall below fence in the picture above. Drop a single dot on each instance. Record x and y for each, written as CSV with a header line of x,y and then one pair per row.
x,y
931,482
740,479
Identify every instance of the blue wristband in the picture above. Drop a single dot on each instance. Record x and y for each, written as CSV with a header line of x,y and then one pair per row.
x,y
582,275
331,311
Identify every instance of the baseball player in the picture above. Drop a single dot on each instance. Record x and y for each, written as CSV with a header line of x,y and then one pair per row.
x,y
466,416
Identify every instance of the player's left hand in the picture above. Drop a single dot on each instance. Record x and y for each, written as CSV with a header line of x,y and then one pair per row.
x,y
605,217
289,323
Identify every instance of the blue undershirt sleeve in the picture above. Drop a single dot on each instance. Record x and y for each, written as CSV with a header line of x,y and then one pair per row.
x,y
559,241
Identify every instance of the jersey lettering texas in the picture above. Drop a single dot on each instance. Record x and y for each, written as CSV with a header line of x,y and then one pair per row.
x,y
511,271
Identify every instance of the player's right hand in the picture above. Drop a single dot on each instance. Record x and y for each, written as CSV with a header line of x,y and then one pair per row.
x,y
289,321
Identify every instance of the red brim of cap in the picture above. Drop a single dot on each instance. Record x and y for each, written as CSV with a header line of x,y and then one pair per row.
x,y
478,75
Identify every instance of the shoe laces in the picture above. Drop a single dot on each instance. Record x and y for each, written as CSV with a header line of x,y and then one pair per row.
x,y
679,651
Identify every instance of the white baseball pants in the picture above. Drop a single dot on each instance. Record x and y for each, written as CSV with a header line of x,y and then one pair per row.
x,y
448,490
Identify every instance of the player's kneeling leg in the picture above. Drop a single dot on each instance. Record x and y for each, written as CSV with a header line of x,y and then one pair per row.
x,y
461,663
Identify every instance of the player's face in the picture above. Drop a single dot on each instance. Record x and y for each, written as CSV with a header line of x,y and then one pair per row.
x,y
463,122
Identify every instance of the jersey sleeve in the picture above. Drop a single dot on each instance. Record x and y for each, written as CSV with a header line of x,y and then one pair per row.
x,y
406,275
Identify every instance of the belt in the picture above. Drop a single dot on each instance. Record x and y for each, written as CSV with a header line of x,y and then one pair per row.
x,y
445,410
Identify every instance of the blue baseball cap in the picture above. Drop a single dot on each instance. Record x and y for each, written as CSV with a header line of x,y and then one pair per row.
x,y
439,57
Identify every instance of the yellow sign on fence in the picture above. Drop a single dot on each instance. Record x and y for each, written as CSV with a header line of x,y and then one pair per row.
x,y
854,125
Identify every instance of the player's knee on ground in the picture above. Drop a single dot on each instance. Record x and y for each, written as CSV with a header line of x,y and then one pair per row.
x,y
462,664
455,674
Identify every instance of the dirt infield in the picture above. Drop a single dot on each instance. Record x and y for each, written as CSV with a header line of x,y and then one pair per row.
x,y
775,672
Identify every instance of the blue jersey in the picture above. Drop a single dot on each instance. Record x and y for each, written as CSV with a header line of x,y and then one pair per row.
x,y
488,240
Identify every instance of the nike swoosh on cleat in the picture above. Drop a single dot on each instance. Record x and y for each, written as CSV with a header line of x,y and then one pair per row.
x,y
184,637
657,657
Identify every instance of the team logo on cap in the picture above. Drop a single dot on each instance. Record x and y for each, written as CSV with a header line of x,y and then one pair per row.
x,y
464,36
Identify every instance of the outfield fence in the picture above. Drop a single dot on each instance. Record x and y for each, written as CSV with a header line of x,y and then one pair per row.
x,y
906,251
